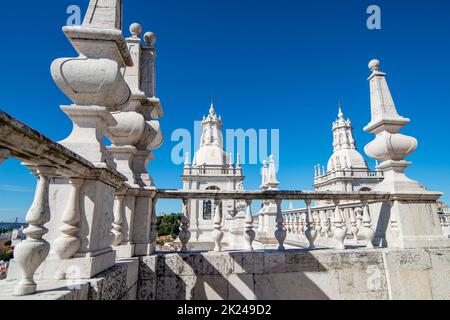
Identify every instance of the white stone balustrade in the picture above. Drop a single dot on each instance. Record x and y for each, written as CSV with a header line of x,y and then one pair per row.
x,y
185,234
217,234
249,233
30,254
87,192
68,244
310,232
119,213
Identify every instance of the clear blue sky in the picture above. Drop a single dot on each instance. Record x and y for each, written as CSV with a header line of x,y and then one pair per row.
x,y
270,64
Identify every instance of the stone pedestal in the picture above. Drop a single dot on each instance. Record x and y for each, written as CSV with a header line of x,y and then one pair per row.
x,y
142,225
413,221
123,157
125,251
89,125
415,225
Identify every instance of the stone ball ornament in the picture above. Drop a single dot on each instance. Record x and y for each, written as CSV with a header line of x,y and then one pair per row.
x,y
150,38
136,29
374,64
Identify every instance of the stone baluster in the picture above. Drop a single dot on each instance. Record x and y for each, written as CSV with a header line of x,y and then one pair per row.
x,y
153,221
303,221
354,225
359,214
217,234
285,220
249,233
119,212
367,232
317,222
280,232
289,222
185,234
323,223
298,218
327,224
340,228
310,232
68,244
260,222
31,252
4,154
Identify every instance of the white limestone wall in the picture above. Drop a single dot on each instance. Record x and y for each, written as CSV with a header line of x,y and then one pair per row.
x,y
297,275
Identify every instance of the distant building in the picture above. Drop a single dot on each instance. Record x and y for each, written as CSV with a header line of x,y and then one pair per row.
x,y
347,170
212,169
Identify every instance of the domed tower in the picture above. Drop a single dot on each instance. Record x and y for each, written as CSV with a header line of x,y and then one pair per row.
x,y
347,170
211,152
212,169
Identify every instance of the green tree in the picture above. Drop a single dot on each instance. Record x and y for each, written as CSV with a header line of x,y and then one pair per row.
x,y
168,224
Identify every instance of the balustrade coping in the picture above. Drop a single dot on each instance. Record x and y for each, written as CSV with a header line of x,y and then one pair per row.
x,y
43,151
297,195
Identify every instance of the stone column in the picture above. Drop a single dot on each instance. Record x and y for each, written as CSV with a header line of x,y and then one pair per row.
x,y
144,219
409,223
97,88
270,210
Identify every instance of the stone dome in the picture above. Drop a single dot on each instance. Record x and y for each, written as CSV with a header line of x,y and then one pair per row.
x,y
347,158
211,155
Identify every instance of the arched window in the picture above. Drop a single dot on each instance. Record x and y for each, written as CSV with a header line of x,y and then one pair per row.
x,y
208,211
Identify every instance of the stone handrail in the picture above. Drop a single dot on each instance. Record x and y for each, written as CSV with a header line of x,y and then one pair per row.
x,y
312,221
295,195
19,141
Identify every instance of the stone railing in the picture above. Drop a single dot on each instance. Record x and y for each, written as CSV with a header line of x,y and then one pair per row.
x,y
93,203
311,221
68,228
212,170
348,173
355,215
51,162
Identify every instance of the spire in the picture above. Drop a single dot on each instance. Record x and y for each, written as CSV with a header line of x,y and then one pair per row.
x,y
342,132
273,182
187,160
106,14
389,146
264,175
231,161
382,105
340,114
212,111
238,161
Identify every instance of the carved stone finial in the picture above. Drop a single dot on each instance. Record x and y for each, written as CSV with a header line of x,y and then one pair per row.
x,y
136,30
374,65
150,39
